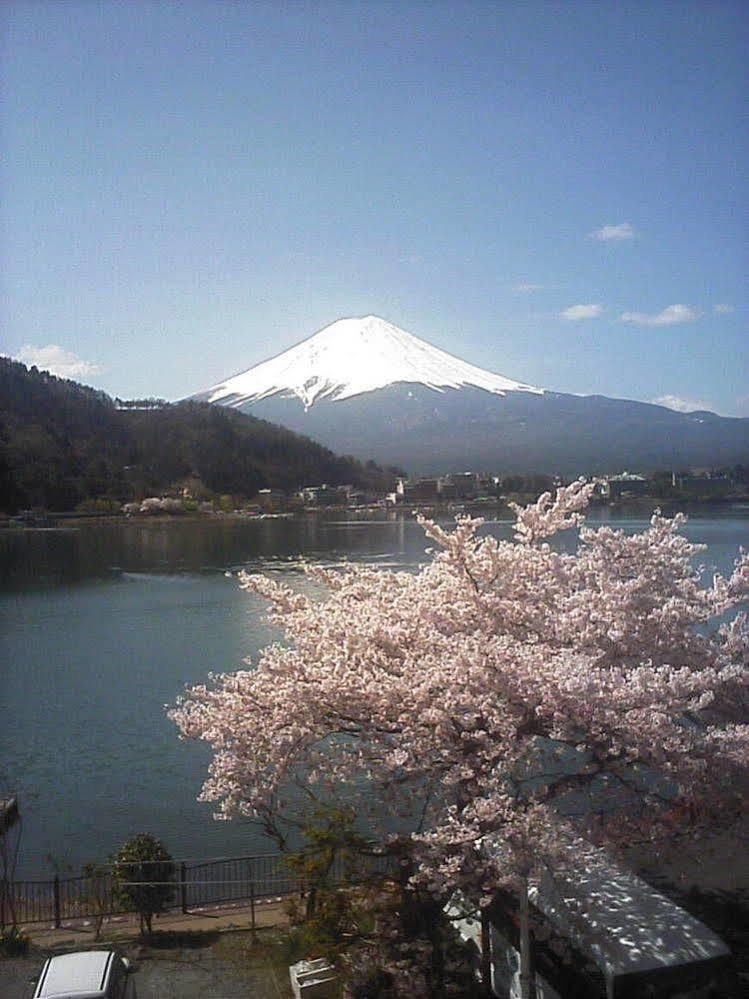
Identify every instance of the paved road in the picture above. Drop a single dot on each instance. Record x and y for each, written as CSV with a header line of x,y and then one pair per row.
x,y
14,977
195,974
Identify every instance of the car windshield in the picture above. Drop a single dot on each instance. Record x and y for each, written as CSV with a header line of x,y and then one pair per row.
x,y
82,975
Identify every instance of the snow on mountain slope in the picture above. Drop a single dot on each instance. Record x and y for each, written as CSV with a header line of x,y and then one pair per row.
x,y
352,356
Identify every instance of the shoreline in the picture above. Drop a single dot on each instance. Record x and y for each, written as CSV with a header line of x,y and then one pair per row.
x,y
638,506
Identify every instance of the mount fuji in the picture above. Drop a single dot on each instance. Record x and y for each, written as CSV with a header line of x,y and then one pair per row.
x,y
365,387
353,356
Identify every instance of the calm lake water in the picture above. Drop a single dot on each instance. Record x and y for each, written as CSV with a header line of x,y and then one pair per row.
x,y
102,626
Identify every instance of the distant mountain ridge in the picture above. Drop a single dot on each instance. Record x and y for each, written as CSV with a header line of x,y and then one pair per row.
x,y
62,443
368,388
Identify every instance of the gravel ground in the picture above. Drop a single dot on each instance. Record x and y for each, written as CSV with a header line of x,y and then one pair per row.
x,y
201,975
194,973
14,976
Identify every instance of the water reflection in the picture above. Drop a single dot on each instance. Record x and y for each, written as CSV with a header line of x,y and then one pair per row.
x,y
53,557
101,626
70,555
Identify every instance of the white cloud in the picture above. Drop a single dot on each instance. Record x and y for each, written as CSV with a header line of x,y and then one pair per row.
x,y
528,286
681,404
669,316
575,312
723,309
614,233
57,361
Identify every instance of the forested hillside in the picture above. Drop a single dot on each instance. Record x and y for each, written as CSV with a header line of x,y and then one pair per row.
x,y
62,443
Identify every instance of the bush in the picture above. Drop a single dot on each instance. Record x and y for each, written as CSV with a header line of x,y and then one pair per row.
x,y
100,505
143,871
13,943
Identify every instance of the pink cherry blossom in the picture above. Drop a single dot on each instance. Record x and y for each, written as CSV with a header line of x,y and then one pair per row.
x,y
508,696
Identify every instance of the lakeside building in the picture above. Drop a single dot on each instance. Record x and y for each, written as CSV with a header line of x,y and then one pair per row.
x,y
625,484
451,490
271,500
325,495
417,490
462,486
322,495
601,932
703,482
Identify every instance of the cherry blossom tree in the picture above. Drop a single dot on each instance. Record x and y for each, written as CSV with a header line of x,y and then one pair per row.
x,y
509,696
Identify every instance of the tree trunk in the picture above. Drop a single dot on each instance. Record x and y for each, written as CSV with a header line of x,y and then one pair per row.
x,y
486,955
438,955
527,976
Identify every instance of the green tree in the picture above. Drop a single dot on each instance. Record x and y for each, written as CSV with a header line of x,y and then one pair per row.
x,y
143,872
62,443
330,856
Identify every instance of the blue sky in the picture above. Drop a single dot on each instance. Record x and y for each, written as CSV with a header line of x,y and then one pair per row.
x,y
554,191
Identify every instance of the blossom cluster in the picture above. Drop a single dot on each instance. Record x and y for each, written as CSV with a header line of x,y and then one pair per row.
x,y
508,696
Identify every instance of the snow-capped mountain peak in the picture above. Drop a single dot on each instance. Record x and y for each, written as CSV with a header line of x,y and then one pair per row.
x,y
352,356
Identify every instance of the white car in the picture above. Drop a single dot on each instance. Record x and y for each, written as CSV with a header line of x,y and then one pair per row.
x,y
89,974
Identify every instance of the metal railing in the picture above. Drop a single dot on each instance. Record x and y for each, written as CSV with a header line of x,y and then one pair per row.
x,y
196,885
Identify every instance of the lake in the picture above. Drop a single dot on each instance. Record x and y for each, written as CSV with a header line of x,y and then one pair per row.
x,y
101,626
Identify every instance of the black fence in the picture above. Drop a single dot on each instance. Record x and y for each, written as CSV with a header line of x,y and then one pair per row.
x,y
195,886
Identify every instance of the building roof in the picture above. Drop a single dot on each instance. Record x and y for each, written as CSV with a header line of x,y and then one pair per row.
x,y
622,923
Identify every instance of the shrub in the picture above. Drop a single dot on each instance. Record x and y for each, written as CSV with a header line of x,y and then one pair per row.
x,y
143,871
13,942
